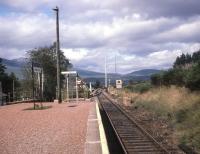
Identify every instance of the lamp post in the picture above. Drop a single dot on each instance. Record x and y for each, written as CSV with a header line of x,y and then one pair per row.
x,y
106,82
67,87
13,90
58,55
77,88
33,83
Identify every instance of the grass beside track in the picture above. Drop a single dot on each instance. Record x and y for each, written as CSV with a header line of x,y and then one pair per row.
x,y
177,105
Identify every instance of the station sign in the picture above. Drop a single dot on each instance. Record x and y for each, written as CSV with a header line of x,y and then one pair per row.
x,y
118,84
69,72
37,69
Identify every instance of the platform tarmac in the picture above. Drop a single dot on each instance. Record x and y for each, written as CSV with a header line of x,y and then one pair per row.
x,y
68,128
96,142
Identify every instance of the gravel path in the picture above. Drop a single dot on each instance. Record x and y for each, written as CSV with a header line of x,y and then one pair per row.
x,y
60,129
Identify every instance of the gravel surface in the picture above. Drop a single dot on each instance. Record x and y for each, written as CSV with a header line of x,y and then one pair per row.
x,y
60,129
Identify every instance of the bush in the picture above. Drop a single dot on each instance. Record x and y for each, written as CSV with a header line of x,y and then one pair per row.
x,y
186,72
142,87
156,79
174,76
193,78
139,87
181,115
189,124
179,106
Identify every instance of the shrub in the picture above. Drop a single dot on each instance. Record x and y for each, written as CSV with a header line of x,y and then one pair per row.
x,y
142,87
193,78
156,79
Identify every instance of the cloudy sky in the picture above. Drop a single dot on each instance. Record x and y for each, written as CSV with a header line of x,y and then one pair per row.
x,y
139,33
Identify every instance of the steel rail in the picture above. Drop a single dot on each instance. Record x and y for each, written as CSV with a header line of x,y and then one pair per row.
x,y
113,127
152,139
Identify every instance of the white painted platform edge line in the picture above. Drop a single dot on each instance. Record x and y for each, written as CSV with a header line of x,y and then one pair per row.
x,y
86,135
92,142
92,120
104,144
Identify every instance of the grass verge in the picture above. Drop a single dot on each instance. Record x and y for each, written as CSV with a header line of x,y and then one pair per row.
x,y
177,105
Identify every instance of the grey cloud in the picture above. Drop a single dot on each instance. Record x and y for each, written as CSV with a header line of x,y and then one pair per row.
x,y
26,31
127,28
11,53
185,33
168,8
153,8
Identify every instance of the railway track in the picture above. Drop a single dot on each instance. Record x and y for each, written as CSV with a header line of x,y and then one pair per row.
x,y
132,137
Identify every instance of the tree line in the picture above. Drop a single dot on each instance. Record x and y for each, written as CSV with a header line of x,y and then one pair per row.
x,y
45,58
9,82
185,72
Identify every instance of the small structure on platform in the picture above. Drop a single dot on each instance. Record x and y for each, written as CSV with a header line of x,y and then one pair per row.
x,y
37,83
67,73
74,85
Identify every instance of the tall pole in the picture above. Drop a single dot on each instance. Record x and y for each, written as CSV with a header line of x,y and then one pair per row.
x,y
39,84
115,65
67,88
77,88
42,90
13,90
106,73
33,85
58,55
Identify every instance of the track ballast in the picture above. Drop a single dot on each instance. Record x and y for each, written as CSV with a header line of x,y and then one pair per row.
x,y
132,137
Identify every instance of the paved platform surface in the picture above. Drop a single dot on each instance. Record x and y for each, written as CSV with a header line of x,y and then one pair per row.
x,y
95,138
60,129
93,142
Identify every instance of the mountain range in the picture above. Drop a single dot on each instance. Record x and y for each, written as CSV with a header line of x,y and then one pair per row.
x,y
15,66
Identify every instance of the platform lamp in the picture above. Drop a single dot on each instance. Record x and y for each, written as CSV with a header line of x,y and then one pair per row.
x,y
58,54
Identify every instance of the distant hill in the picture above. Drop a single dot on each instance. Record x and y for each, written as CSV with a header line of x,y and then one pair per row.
x,y
144,72
91,74
88,74
14,62
16,65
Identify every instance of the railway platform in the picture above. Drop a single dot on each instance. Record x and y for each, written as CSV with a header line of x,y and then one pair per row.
x,y
95,136
73,128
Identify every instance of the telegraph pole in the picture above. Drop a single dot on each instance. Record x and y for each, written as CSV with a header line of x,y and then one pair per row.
x,y
77,88
67,87
13,90
106,82
58,55
115,65
33,84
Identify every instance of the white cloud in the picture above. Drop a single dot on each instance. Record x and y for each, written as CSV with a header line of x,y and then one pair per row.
x,y
75,54
26,31
186,32
143,34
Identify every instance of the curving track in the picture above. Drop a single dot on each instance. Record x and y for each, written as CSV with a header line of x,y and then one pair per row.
x,y
132,137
